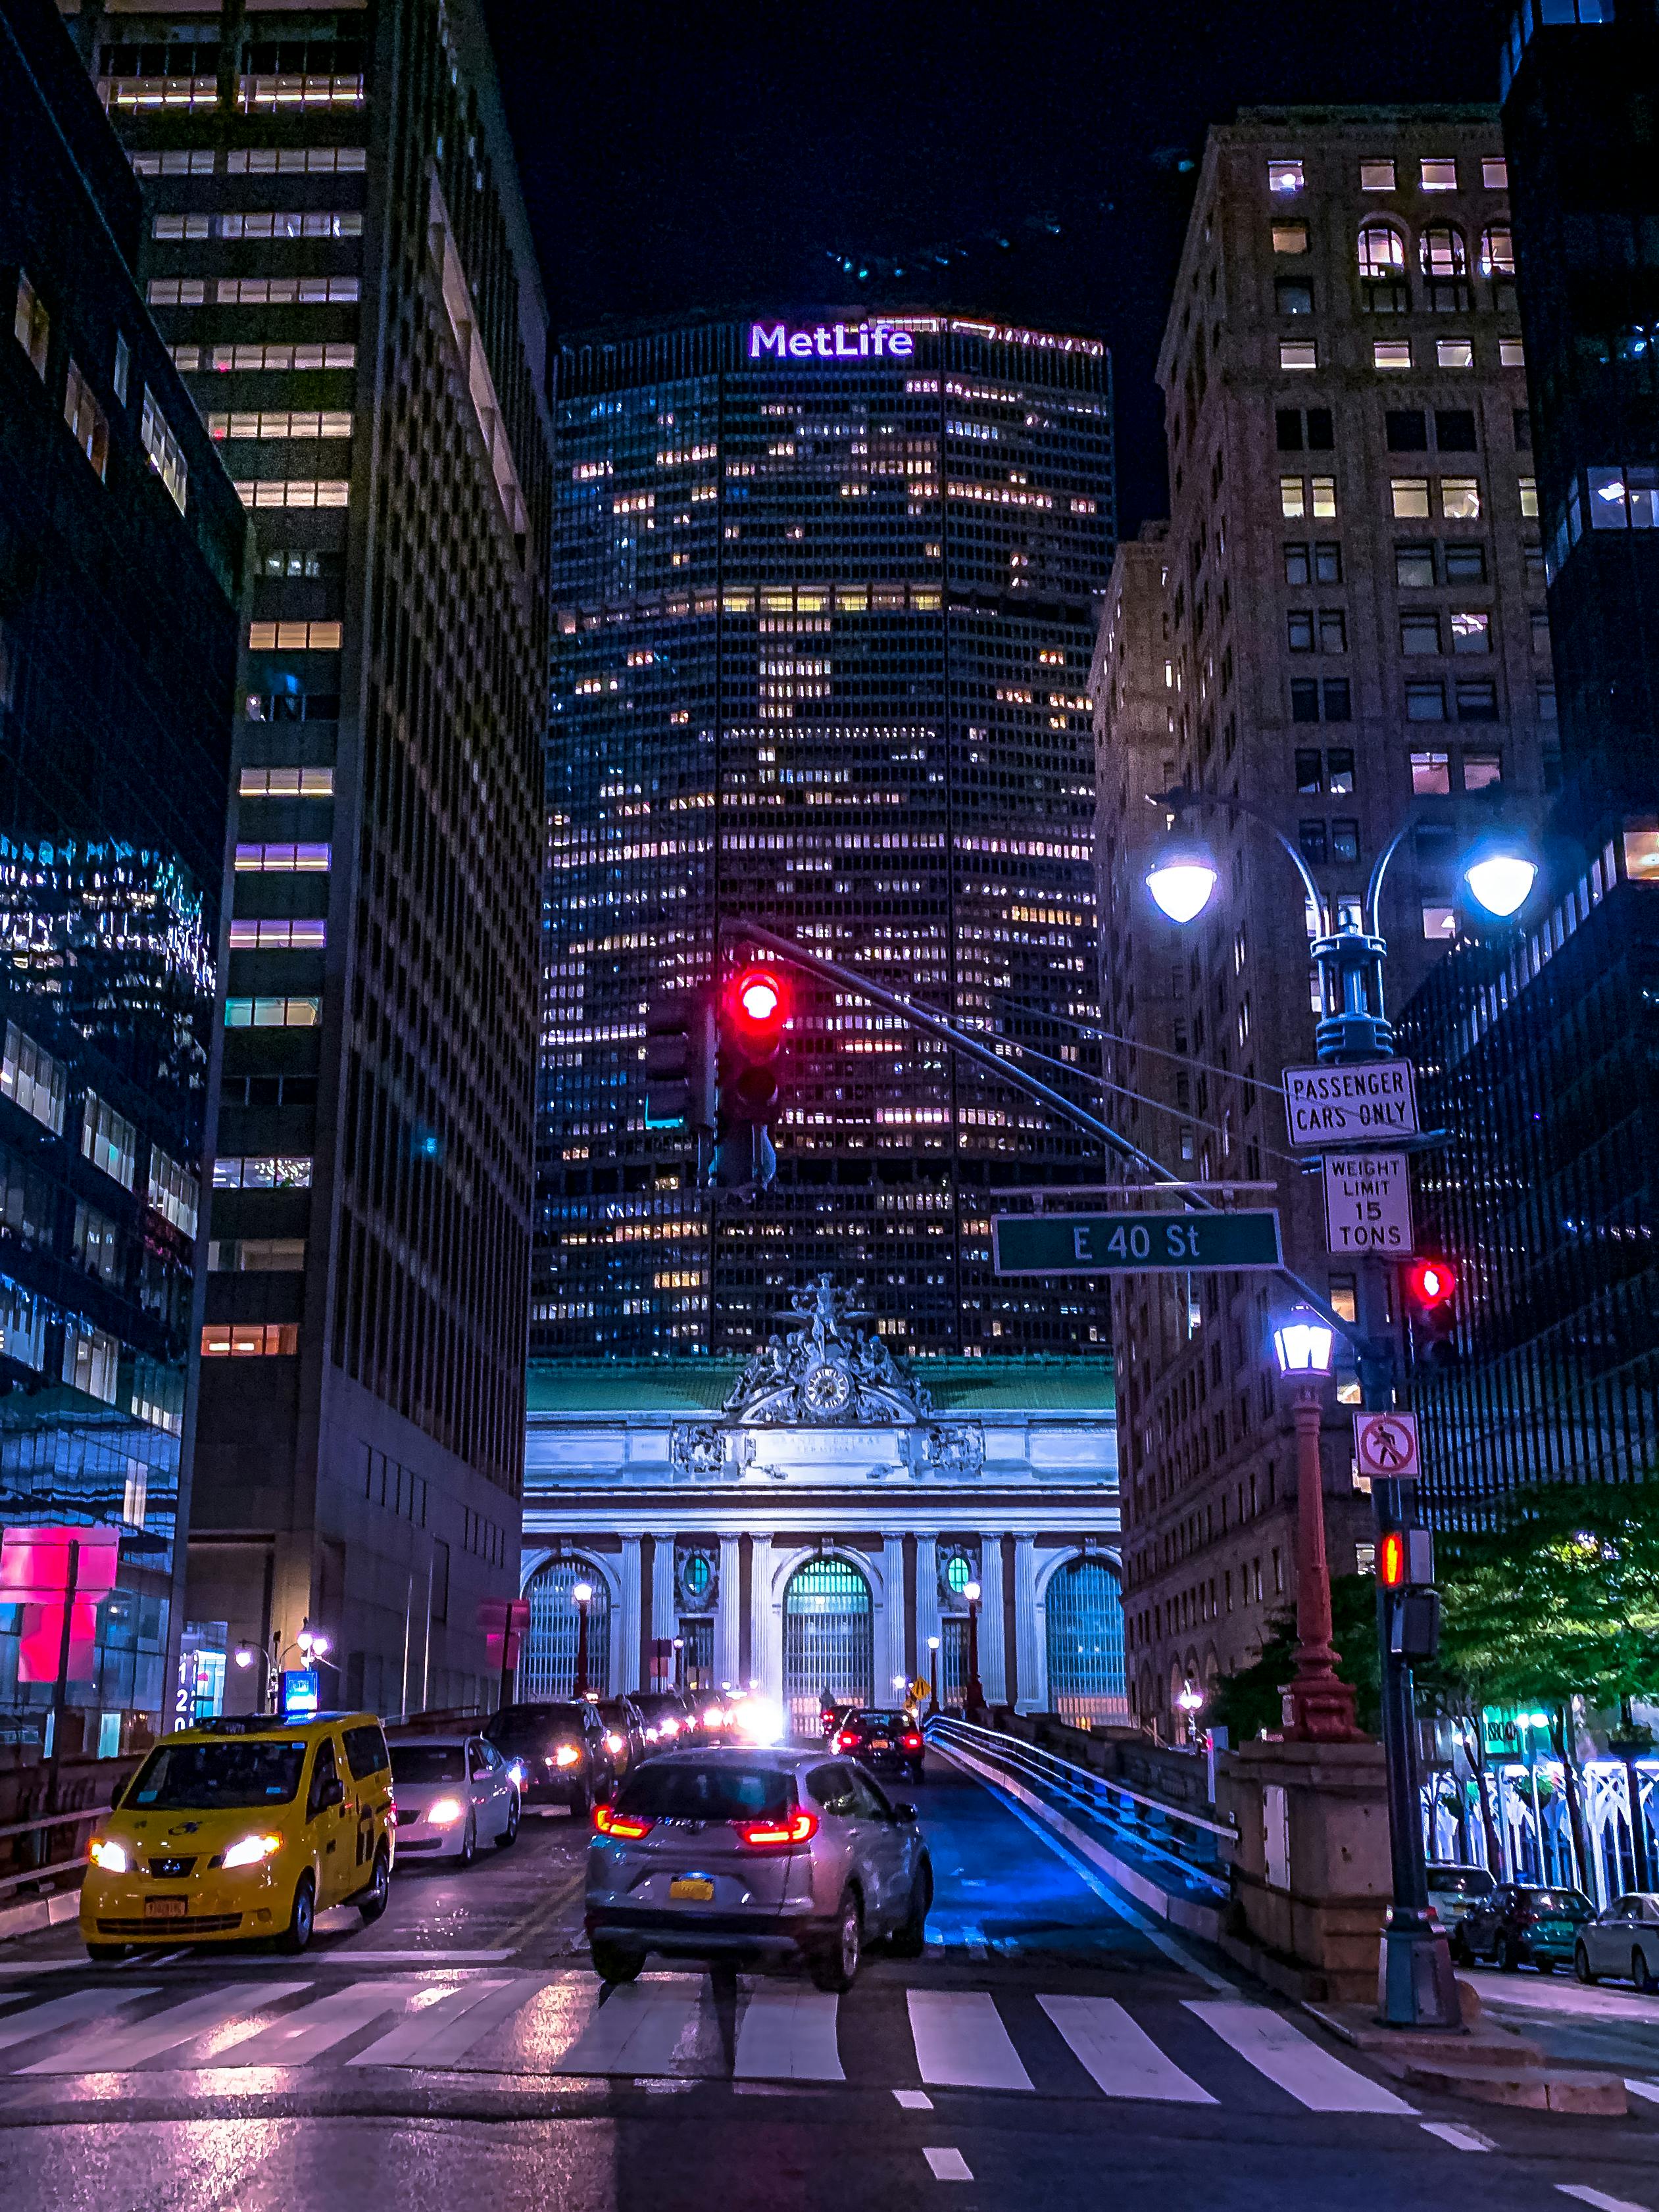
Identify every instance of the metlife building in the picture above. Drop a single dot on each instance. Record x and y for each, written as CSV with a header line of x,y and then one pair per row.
x,y
824,612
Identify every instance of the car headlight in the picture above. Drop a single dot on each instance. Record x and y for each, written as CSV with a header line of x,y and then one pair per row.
x,y
109,1854
671,1728
250,1850
515,1773
567,1756
613,1744
445,1812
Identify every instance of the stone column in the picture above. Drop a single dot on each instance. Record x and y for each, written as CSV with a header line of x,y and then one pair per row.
x,y
625,1674
993,1660
765,1645
1030,1659
664,1620
927,1606
890,1663
725,1611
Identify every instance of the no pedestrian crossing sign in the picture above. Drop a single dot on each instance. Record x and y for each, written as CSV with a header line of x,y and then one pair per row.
x,y
1369,1103
1110,1244
1385,1446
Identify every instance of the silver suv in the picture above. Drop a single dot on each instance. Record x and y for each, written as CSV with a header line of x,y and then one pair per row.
x,y
735,1853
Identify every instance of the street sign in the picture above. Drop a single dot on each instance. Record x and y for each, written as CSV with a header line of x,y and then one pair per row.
x,y
1368,1202
1364,1104
1109,1243
1385,1446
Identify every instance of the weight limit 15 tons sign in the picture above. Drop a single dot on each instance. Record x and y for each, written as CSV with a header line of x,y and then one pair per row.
x,y
1108,1243
1368,1203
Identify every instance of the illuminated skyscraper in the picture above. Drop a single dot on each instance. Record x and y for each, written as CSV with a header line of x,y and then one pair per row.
x,y
823,616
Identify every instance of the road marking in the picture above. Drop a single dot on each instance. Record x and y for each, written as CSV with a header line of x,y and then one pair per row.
x,y
1289,2058
1118,2053
1460,2138
1598,2197
1648,2089
440,2033
961,2042
639,2029
948,2165
346,1957
913,2100
147,1959
100,2052
63,2011
316,2027
787,2034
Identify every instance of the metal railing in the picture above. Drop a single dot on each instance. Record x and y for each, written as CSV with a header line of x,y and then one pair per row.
x,y
72,1817
1197,1847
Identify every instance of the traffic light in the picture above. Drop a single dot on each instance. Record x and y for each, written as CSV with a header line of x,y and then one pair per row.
x,y
1430,1287
754,1012
679,1063
1405,1574
1405,1556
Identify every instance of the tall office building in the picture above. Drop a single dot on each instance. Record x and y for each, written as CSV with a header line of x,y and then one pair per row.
x,y
1352,640
339,257
123,553
1538,1049
824,608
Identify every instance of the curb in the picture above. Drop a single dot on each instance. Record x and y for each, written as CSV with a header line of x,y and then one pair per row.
x,y
27,1919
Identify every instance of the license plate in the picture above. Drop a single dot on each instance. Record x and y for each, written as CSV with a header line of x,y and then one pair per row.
x,y
691,1889
166,1908
879,1743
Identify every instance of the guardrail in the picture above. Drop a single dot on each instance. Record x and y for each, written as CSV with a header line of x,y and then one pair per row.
x,y
72,1817
1196,1847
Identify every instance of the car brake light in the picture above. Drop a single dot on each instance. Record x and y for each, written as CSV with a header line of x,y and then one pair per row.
x,y
847,1741
628,1826
764,1835
912,1742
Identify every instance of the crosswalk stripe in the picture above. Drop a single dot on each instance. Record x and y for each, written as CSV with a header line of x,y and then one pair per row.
x,y
101,2051
316,2027
439,2033
640,2028
961,2042
1293,2060
1118,2053
63,2011
788,2033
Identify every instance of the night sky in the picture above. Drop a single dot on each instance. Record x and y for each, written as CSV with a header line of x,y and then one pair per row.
x,y
717,158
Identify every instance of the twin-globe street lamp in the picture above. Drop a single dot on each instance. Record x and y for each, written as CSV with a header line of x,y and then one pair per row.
x,y
1417,1984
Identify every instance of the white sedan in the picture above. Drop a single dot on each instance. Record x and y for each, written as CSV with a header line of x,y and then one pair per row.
x,y
452,1793
1622,1942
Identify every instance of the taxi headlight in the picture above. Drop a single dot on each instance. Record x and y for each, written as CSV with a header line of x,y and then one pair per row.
x,y
250,1850
109,1854
445,1812
567,1756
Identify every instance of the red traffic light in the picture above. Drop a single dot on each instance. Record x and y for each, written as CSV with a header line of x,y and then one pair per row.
x,y
1391,1560
1431,1282
758,998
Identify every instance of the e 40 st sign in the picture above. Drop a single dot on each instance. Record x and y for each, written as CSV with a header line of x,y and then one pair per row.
x,y
1106,1243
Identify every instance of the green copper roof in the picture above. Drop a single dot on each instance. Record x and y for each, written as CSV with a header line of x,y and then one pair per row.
x,y
692,1387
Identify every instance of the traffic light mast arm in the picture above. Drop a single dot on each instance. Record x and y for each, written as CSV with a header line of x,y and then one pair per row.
x,y
963,1042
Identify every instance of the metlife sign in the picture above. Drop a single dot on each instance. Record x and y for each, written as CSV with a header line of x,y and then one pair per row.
x,y
830,342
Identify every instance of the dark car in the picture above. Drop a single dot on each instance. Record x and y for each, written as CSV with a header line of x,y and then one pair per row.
x,y
624,1732
667,1718
886,1740
1521,1925
562,1750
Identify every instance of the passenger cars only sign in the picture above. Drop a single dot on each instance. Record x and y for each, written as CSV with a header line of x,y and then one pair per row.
x,y
1366,1104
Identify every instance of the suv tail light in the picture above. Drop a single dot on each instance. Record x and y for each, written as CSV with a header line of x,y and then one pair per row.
x,y
776,1835
607,1822
911,1742
847,1741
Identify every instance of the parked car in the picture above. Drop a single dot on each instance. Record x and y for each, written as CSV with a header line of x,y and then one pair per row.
x,y
248,1825
560,1750
1622,1942
886,1740
1453,1889
751,1853
667,1718
624,1732
453,1793
1519,1924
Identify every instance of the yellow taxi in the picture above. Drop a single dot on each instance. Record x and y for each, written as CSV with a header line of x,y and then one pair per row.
x,y
244,1826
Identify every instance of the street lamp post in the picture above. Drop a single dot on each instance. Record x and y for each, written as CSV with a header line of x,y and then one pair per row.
x,y
1417,1987
583,1595
974,1695
932,1662
1319,1706
1190,1697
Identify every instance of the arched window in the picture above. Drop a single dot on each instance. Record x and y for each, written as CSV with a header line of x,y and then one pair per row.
x,y
547,1667
829,1640
1443,252
1498,251
1085,1613
1382,250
